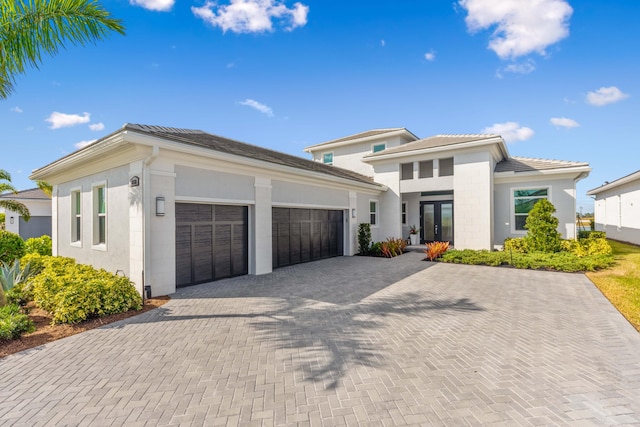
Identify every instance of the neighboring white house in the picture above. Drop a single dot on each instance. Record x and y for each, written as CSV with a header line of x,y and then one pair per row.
x,y
172,207
617,208
39,205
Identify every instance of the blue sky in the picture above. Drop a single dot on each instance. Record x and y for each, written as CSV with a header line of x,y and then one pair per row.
x,y
558,79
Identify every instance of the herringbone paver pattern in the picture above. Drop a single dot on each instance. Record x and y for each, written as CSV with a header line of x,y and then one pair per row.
x,y
345,341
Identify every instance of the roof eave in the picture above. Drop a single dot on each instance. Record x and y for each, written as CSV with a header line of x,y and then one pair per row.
x,y
576,170
618,182
330,145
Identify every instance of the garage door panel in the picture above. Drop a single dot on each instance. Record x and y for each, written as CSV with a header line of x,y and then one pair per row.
x,y
211,242
301,235
183,255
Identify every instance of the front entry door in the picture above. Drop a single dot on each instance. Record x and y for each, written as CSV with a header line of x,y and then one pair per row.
x,y
437,221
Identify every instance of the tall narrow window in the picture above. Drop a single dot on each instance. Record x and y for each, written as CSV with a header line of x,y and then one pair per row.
x,y
373,212
406,171
100,215
445,167
426,169
404,213
523,201
327,158
76,217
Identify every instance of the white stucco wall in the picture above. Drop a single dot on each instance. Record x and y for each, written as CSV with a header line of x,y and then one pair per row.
x,y
350,156
114,255
390,218
292,194
562,195
617,212
472,202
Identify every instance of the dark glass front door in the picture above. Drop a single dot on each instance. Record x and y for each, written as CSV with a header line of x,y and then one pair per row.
x,y
437,221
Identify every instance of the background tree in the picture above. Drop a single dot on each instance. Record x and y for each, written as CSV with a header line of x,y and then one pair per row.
x,y
12,205
30,28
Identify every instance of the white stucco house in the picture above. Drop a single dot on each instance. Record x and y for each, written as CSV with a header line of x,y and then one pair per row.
x,y
39,205
172,207
617,208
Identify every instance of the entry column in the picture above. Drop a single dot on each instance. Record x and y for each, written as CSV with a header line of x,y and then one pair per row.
x,y
262,241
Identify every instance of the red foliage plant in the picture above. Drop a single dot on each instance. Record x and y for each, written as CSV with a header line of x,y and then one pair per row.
x,y
435,249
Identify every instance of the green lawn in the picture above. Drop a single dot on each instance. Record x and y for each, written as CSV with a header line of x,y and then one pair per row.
x,y
621,283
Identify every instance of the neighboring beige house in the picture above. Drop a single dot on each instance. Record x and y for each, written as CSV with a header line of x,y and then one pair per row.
x,y
39,205
617,208
173,207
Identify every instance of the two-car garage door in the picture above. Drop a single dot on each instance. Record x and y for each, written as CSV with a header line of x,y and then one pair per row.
x,y
212,240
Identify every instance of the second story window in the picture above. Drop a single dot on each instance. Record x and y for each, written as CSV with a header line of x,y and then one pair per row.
x,y
445,167
425,169
327,158
406,171
379,147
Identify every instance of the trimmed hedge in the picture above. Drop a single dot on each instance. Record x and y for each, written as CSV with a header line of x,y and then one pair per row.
x,y
14,323
38,245
11,247
74,292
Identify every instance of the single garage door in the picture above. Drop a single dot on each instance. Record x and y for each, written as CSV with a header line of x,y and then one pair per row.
x,y
211,242
302,235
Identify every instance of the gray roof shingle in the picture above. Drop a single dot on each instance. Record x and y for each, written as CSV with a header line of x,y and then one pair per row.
x,y
365,134
527,164
31,194
434,142
202,139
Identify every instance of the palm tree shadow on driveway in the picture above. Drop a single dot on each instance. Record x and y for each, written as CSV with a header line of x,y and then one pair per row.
x,y
328,314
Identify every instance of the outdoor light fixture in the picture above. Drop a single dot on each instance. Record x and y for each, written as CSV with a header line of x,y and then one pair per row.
x,y
160,206
10,220
353,213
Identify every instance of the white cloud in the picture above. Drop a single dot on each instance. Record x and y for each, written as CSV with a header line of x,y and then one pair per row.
x,y
96,126
521,27
62,120
430,56
383,43
157,5
16,110
83,144
252,16
564,122
510,131
258,106
605,95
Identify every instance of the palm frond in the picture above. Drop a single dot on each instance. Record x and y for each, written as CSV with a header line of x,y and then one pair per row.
x,y
17,207
29,28
45,187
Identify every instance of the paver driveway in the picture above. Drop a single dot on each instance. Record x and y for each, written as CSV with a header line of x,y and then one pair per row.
x,y
355,341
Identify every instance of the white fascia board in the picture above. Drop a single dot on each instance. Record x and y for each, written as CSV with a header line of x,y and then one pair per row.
x,y
454,147
571,172
96,149
329,145
618,182
150,140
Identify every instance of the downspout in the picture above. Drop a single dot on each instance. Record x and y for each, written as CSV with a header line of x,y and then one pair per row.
x,y
146,207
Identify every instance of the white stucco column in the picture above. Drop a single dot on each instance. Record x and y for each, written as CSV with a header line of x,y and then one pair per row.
x,y
261,233
136,226
351,244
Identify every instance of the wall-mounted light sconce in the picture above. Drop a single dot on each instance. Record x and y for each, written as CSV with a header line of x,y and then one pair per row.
x,y
160,206
11,220
353,213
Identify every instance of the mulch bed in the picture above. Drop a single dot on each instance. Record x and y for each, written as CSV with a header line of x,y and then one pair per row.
x,y
46,332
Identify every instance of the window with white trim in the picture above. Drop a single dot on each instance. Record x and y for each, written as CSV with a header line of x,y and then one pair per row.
x,y
425,169
327,158
379,147
404,213
445,167
406,171
523,202
76,217
100,215
373,212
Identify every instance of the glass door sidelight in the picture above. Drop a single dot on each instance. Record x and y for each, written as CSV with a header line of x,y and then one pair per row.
x,y
437,221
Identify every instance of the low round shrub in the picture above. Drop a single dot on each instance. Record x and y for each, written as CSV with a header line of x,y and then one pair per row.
x,y
38,245
516,244
11,246
14,323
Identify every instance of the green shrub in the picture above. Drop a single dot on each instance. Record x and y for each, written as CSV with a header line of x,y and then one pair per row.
x,y
13,323
542,228
364,238
11,246
74,292
38,245
560,261
376,249
590,246
516,244
597,235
